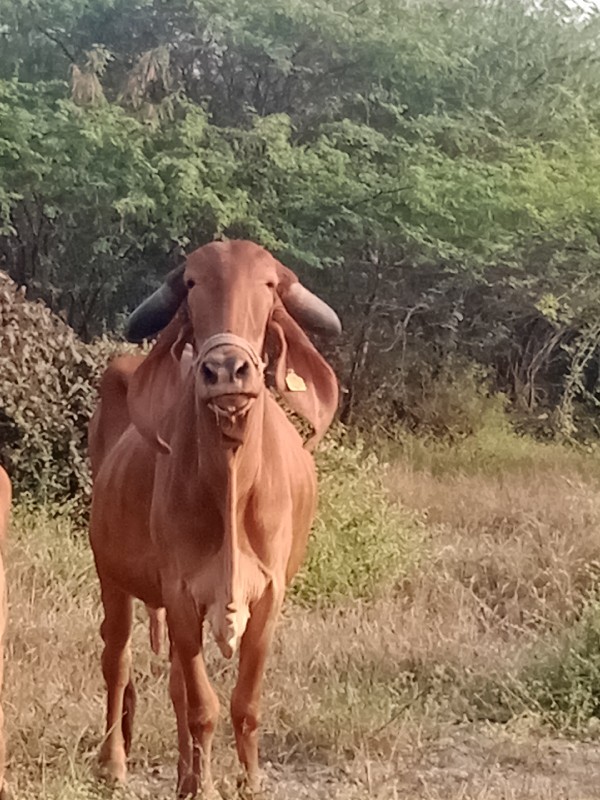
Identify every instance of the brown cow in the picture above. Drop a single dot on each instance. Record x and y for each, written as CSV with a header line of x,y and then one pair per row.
x,y
5,501
204,504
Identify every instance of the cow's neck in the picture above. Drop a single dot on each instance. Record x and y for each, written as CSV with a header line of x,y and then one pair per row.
x,y
227,477
199,447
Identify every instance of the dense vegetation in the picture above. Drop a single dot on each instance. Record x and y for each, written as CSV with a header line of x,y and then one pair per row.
x,y
430,167
48,380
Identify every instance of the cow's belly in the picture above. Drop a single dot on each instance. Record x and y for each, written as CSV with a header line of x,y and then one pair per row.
x,y
141,580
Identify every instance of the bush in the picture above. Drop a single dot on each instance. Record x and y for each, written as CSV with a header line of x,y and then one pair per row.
x,y
563,679
47,393
449,402
362,544
446,401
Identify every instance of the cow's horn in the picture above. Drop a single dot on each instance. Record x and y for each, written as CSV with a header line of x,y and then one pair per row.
x,y
155,313
310,311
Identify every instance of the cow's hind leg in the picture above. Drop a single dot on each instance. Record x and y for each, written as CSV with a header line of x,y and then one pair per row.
x,y
245,700
116,667
129,703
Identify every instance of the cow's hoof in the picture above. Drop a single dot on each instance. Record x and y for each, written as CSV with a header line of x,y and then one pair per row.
x,y
210,793
187,786
113,771
252,787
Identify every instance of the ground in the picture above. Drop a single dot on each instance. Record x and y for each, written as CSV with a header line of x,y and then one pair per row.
x,y
467,668
305,753
466,762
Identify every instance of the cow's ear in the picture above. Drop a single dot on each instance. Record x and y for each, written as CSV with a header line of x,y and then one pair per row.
x,y
157,383
302,376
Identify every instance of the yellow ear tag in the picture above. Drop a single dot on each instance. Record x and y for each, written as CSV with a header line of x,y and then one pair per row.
x,y
294,382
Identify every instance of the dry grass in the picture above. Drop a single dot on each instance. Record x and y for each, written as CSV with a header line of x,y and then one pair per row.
x,y
365,696
518,550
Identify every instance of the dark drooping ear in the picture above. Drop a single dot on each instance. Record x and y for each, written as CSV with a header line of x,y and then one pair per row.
x,y
155,313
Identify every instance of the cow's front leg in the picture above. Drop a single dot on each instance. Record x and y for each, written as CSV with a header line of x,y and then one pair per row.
x,y
246,697
202,708
187,783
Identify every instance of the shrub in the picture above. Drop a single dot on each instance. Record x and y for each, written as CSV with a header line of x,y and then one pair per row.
x,y
47,393
562,679
443,401
362,544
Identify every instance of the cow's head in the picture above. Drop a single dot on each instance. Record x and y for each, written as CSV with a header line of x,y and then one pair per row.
x,y
235,304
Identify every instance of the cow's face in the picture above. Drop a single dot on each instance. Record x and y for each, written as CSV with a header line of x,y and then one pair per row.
x,y
230,297
231,292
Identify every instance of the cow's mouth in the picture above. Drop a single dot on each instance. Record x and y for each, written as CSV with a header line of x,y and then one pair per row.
x,y
231,413
230,405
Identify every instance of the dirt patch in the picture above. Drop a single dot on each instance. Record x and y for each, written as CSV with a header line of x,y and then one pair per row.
x,y
467,763
463,763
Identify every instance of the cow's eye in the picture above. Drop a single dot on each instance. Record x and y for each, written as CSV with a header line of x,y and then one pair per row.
x,y
190,283
271,284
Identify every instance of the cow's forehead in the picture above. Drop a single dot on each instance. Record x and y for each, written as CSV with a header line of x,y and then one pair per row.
x,y
232,257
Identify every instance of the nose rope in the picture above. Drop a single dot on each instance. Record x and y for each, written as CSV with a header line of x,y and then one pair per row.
x,y
220,339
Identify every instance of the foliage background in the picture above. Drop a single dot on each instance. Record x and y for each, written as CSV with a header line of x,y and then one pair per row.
x,y
429,167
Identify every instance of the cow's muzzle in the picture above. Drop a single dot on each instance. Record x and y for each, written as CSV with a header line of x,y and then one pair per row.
x,y
229,377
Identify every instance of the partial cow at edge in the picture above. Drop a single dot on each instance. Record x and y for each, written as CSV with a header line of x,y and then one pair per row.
x,y
204,492
5,503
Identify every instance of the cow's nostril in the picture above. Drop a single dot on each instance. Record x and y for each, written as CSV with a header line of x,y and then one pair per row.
x,y
242,370
209,374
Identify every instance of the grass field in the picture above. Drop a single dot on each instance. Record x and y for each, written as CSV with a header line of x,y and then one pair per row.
x,y
443,640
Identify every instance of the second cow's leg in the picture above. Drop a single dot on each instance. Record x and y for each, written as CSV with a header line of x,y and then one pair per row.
x,y
3,615
116,664
245,700
202,703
